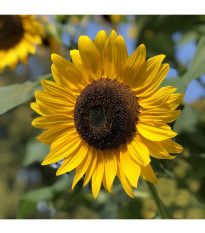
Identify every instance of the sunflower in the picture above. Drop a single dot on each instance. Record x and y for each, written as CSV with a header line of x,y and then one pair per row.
x,y
105,114
18,36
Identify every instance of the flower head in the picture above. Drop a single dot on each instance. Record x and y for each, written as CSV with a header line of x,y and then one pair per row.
x,y
18,36
105,114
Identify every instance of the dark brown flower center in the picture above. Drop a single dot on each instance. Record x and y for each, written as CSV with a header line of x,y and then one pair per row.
x,y
11,31
105,114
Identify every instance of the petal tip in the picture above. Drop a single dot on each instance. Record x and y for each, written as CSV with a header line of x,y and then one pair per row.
x,y
31,104
58,173
95,195
131,195
113,32
44,163
73,186
82,39
53,55
142,46
33,123
155,181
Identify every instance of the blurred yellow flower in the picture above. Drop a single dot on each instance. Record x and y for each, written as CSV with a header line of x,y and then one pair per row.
x,y
105,114
18,36
132,31
116,18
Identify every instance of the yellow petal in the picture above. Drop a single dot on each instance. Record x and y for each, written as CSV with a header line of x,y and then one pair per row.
x,y
46,122
50,104
159,114
23,48
155,131
49,109
98,174
52,134
123,179
82,168
110,169
120,56
108,61
175,100
148,174
133,64
32,38
99,42
91,167
105,183
75,56
157,150
171,146
90,57
147,89
23,57
138,151
157,156
62,147
68,72
36,108
59,79
130,168
55,101
147,73
73,160
158,98
55,90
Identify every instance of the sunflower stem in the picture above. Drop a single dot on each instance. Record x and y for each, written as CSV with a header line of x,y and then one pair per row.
x,y
160,206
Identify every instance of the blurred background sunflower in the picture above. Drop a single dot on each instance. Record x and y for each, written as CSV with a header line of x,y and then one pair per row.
x,y
19,35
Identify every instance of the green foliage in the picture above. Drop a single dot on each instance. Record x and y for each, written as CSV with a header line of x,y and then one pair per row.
x,y
197,66
28,203
35,152
16,94
187,121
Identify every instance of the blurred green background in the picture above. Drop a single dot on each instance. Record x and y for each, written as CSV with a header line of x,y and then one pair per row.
x,y
31,191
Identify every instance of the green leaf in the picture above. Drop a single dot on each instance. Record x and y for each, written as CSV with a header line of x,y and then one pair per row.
x,y
197,66
187,121
35,152
63,183
28,204
16,94
26,209
196,69
40,194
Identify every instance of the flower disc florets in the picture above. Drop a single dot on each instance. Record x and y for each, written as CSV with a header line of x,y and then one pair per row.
x,y
105,114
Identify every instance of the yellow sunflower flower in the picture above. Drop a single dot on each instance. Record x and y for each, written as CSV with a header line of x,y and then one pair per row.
x,y
18,36
105,114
